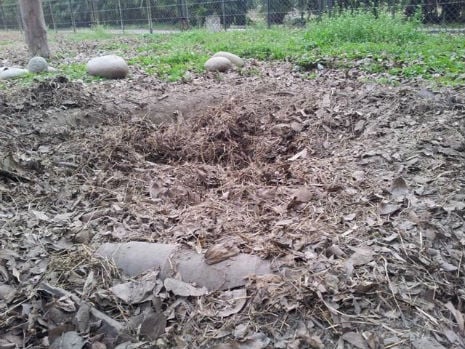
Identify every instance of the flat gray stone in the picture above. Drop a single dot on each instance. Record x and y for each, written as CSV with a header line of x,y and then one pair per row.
x,y
11,73
218,64
110,67
234,59
37,65
135,258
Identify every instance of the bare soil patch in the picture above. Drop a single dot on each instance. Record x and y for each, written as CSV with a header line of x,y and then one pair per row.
x,y
354,191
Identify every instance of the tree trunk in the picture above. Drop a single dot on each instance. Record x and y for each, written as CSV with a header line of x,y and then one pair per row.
x,y
35,30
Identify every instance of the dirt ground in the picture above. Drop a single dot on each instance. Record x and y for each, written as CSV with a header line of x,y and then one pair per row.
x,y
354,191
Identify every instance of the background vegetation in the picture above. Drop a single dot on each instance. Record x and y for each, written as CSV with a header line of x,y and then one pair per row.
x,y
138,13
391,48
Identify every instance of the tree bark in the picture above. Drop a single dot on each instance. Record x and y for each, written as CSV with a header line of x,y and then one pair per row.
x,y
35,30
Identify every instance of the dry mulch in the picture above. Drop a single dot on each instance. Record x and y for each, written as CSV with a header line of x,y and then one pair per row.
x,y
354,191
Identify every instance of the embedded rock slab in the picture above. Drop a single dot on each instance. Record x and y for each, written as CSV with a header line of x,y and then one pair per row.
x,y
11,73
37,65
135,258
234,59
109,67
218,64
183,105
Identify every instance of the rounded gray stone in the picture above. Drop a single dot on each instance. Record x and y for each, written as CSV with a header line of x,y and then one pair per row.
x,y
234,59
11,73
110,67
37,65
218,64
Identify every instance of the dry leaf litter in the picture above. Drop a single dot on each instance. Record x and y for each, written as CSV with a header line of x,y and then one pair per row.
x,y
352,191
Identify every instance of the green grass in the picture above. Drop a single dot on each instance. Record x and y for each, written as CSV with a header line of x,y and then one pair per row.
x,y
76,71
362,27
24,80
170,56
94,33
391,46
376,45
73,71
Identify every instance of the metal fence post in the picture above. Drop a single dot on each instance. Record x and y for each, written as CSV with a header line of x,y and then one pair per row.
x,y
2,10
330,7
149,16
71,14
52,17
223,14
183,14
19,18
187,14
375,8
242,13
268,13
121,16
94,14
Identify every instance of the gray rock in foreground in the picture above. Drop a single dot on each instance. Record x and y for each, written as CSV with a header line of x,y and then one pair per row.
x,y
37,65
11,73
110,67
135,258
218,64
234,59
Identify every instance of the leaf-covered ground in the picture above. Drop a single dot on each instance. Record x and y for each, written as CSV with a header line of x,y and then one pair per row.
x,y
353,191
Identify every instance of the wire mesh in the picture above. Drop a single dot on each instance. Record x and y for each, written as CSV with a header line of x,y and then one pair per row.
x,y
153,15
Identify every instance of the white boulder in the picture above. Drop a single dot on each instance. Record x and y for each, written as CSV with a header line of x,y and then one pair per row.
x,y
110,67
11,73
218,64
234,59
37,65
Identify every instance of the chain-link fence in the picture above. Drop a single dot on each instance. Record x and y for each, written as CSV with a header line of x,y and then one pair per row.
x,y
150,15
